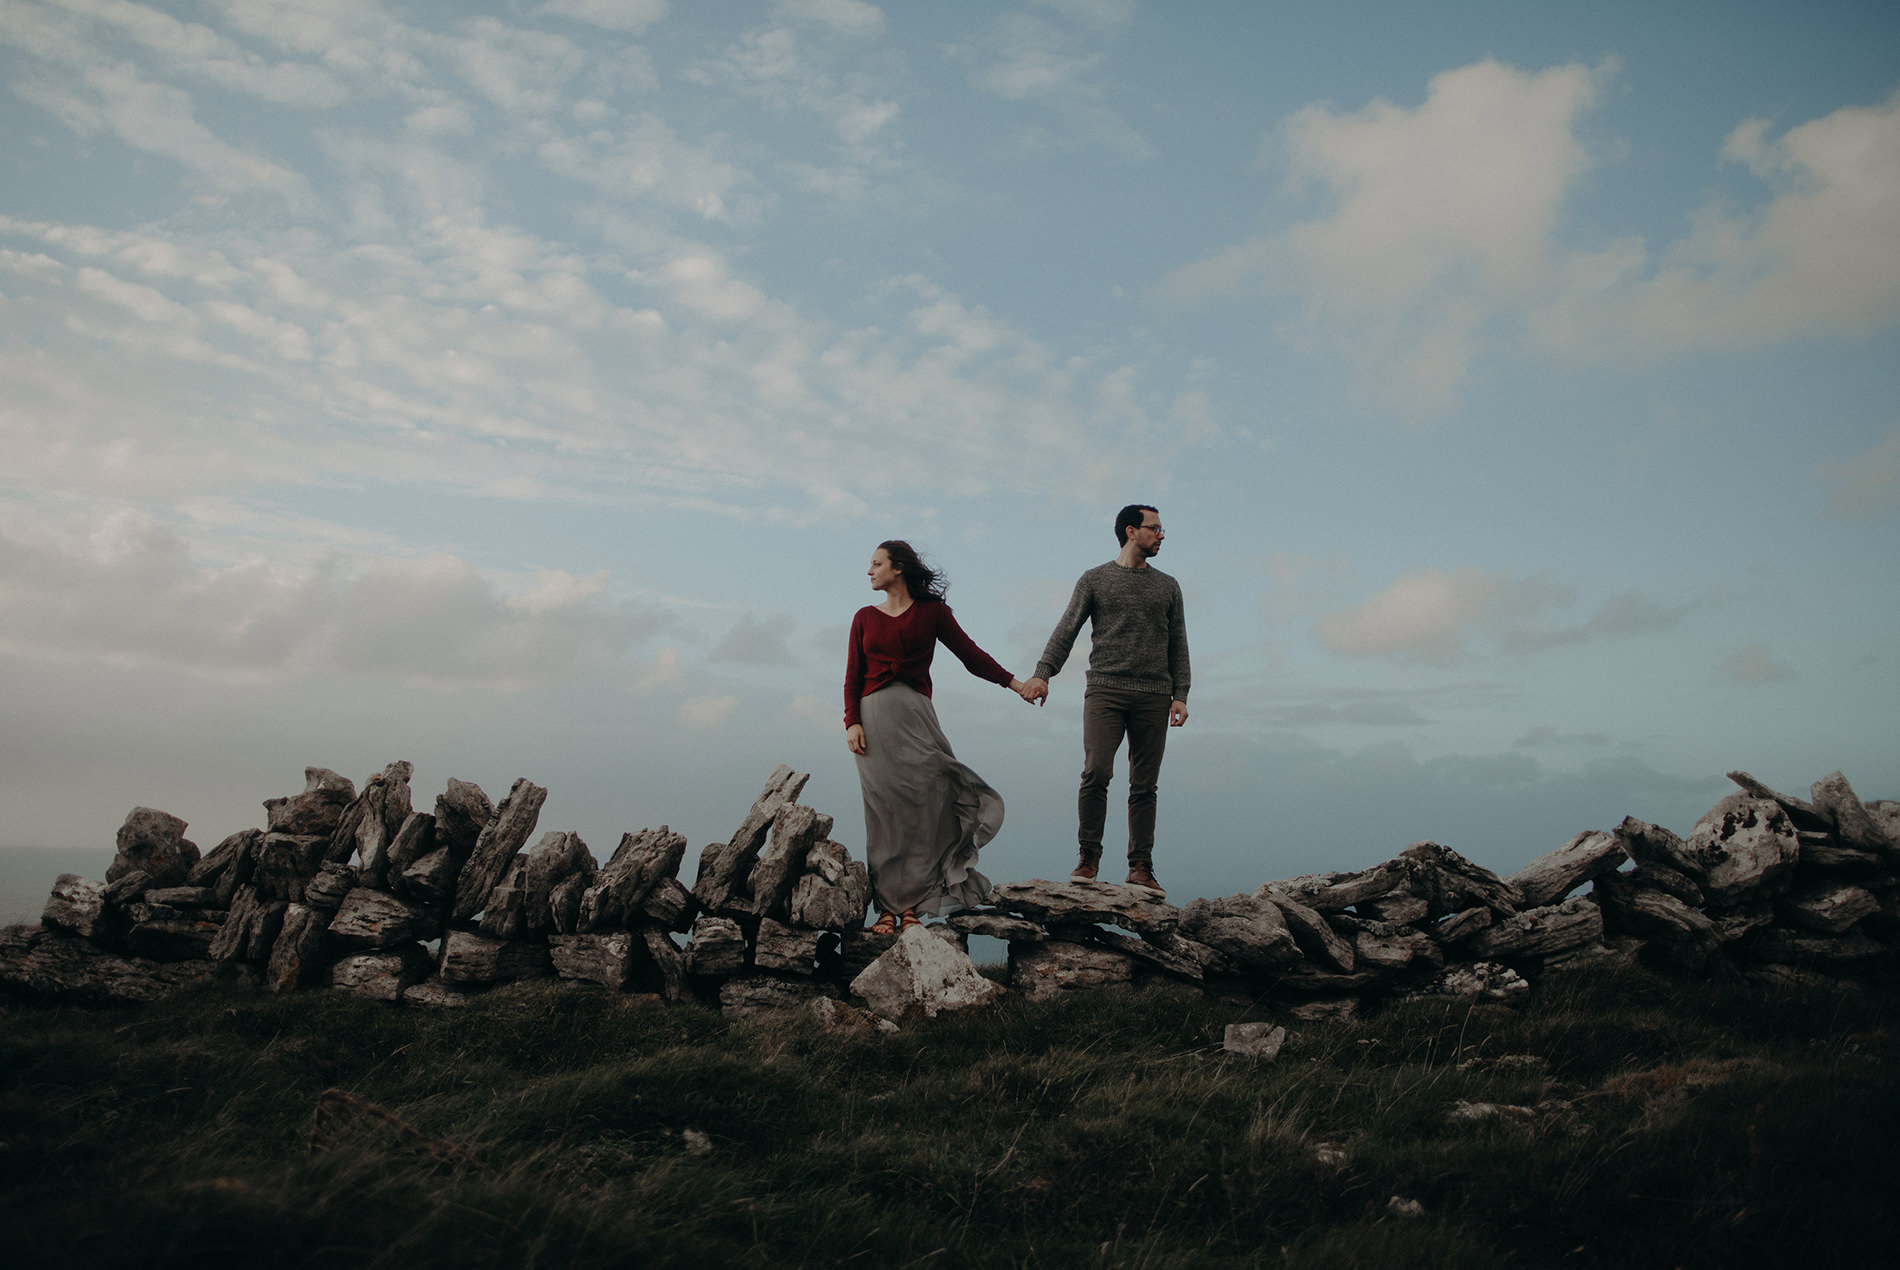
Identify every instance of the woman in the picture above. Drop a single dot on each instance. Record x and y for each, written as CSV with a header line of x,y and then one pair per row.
x,y
925,814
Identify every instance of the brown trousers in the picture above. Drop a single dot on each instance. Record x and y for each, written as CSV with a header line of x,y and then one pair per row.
x,y
1109,714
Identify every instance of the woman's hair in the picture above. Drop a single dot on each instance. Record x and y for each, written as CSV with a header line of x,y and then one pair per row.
x,y
925,583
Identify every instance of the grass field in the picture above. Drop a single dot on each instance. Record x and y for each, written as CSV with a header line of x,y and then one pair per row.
x,y
1671,1124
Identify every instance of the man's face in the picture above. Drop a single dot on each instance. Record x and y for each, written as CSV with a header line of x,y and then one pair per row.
x,y
1147,535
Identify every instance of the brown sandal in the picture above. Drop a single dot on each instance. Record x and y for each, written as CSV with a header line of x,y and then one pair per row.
x,y
911,919
886,924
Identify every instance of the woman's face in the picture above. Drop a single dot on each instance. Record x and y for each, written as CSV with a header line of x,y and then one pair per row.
x,y
881,572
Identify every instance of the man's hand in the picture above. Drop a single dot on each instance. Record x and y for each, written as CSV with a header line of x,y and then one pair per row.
x,y
1177,713
1035,691
854,738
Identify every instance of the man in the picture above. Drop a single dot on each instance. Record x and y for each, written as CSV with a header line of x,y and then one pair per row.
x,y
1137,686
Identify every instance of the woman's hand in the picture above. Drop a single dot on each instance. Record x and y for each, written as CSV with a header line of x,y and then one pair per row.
x,y
854,738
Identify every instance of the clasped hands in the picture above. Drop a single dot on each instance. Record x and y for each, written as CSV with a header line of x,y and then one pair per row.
x,y
1034,691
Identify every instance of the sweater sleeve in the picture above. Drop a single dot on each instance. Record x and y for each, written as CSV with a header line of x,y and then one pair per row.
x,y
854,670
1178,669
1062,639
974,659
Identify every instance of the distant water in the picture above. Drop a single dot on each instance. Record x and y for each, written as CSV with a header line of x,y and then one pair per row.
x,y
27,875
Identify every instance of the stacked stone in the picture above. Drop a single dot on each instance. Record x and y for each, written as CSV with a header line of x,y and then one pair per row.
x,y
1765,884
781,908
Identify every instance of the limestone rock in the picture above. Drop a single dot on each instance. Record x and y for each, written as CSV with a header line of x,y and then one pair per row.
x,y
795,831
1655,877
638,864
316,811
1043,971
1462,925
1171,952
326,891
1384,946
154,842
664,961
1086,903
1836,802
843,1019
505,915
285,863
550,862
1246,928
1315,938
995,925
780,947
414,840
77,905
382,976
434,994
670,905
1541,932
609,960
1335,892
1803,815
168,934
430,880
369,919
1682,935
834,892
1325,1008
923,974
495,850
1556,874
181,896
78,970
1829,908
858,947
753,994
1448,882
1744,846
725,869
230,857
1479,981
564,902
1822,850
371,822
250,928
717,948
300,956
468,958
130,889
1253,1040
1652,844
1397,909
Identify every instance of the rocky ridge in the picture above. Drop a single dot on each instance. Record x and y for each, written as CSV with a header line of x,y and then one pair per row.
x,y
359,892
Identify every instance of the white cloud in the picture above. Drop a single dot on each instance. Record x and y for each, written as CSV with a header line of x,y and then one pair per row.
x,y
631,16
130,593
755,642
1026,59
1867,485
708,711
1753,664
1442,235
1432,616
852,17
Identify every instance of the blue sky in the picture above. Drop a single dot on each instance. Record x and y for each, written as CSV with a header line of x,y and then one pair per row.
x,y
519,390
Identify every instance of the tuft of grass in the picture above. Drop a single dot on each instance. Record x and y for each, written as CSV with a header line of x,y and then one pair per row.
x,y
1646,1121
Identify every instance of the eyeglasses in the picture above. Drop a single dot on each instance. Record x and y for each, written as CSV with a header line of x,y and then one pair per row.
x,y
1155,528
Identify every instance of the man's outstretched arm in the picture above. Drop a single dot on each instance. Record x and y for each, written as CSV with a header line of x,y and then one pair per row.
x,y
1061,640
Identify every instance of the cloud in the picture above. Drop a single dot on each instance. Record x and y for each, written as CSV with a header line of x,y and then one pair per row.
x,y
1431,616
1027,59
1544,735
1753,664
815,63
755,643
1620,617
130,594
631,16
709,711
1442,234
1868,485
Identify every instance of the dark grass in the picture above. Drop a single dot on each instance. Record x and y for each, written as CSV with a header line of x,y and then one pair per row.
x,y
1705,1126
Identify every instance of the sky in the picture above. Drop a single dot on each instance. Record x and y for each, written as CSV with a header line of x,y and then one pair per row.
x,y
520,389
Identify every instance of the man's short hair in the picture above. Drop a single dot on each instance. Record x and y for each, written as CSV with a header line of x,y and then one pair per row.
x,y
1127,518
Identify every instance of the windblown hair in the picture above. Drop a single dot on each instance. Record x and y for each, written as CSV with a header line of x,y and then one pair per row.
x,y
925,583
1129,517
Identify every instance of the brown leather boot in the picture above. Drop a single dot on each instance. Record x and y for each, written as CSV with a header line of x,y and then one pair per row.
x,y
1141,875
1084,870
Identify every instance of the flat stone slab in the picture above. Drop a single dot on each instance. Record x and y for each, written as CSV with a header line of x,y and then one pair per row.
x,y
1086,903
923,974
1556,874
1043,972
1253,1040
997,926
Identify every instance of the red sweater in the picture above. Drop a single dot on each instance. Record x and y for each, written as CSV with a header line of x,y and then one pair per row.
x,y
885,648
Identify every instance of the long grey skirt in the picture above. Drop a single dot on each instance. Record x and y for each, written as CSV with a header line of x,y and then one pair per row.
x,y
925,814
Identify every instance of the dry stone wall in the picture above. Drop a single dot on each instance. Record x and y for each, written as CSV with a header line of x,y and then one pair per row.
x,y
359,892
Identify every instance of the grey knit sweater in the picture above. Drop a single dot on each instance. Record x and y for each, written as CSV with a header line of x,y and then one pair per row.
x,y
1139,638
